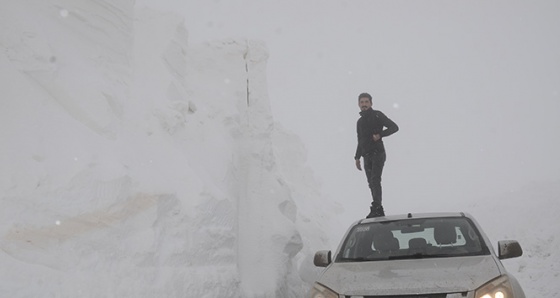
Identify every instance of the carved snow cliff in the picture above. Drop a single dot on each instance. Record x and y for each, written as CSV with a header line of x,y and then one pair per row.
x,y
137,165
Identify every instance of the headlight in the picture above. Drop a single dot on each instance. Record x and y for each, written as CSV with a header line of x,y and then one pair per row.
x,y
320,291
497,288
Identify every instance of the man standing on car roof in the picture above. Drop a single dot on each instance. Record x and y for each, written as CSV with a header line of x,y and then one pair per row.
x,y
372,127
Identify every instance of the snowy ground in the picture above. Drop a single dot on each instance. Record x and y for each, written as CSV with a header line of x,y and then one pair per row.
x,y
136,164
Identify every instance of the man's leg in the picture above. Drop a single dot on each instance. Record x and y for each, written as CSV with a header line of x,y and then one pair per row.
x,y
373,165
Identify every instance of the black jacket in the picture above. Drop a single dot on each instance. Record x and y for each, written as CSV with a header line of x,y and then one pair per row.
x,y
373,122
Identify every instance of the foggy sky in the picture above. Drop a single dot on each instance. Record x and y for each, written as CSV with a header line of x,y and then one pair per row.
x,y
473,85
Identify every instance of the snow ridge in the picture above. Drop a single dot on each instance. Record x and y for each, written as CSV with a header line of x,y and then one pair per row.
x,y
137,165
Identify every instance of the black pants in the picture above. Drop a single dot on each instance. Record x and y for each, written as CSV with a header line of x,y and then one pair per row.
x,y
373,166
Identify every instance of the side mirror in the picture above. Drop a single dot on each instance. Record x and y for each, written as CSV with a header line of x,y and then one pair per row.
x,y
509,249
322,258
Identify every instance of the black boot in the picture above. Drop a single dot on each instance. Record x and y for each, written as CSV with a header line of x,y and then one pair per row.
x,y
371,213
380,211
376,211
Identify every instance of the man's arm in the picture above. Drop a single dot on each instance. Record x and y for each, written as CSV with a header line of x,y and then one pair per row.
x,y
391,126
358,154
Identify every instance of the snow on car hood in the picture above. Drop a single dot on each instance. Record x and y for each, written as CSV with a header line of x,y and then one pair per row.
x,y
412,276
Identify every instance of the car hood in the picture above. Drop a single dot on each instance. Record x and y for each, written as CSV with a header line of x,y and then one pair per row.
x,y
411,276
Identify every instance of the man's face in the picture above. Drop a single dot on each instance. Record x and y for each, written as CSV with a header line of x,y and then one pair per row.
x,y
364,103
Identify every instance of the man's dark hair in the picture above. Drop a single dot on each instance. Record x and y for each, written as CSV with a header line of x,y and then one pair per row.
x,y
365,95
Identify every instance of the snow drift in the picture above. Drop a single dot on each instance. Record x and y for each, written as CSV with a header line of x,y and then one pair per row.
x,y
137,165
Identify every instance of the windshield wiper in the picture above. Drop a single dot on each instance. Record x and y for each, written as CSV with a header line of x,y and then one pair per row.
x,y
420,255
360,259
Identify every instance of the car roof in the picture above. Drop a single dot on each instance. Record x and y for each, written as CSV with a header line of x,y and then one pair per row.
x,y
413,216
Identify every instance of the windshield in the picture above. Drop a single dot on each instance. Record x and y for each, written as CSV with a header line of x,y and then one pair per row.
x,y
412,238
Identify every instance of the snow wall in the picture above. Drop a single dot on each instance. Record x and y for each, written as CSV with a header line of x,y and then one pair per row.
x,y
137,165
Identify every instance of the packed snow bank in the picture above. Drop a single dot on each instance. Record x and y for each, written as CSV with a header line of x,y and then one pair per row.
x,y
137,165
528,215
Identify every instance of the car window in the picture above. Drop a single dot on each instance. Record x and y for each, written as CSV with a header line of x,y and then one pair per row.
x,y
412,238
428,234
